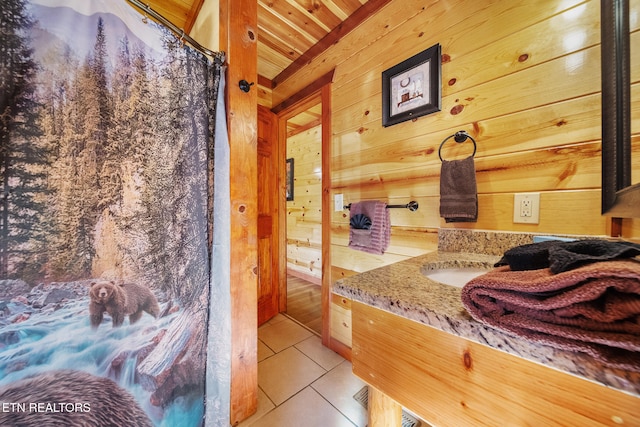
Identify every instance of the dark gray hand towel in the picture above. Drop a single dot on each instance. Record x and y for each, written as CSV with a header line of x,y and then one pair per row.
x,y
563,256
458,191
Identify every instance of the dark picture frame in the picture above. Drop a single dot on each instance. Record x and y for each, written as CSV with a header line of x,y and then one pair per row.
x,y
412,88
620,196
289,179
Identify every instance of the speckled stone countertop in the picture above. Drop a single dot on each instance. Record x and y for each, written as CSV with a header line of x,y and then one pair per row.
x,y
403,289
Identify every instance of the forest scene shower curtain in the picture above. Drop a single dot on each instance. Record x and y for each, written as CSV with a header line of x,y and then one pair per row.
x,y
106,163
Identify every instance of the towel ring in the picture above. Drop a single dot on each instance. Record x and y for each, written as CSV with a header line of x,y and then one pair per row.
x,y
459,137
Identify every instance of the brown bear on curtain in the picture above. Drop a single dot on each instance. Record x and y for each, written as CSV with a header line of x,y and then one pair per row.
x,y
128,299
69,398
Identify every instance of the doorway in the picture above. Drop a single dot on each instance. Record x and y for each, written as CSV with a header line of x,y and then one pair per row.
x,y
318,94
303,148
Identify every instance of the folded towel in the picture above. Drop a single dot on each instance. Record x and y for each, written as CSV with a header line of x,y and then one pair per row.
x,y
376,238
458,191
563,256
592,309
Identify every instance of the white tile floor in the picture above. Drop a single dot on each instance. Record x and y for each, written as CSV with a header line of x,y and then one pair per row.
x,y
301,382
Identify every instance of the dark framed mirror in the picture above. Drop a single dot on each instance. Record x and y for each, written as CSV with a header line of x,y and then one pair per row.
x,y
620,198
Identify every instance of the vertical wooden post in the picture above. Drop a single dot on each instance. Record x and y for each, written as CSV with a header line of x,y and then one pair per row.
x,y
238,38
327,209
383,411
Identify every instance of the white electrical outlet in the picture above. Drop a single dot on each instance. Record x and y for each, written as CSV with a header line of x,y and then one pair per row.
x,y
526,208
338,203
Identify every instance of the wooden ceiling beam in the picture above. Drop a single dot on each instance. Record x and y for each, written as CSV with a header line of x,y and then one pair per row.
x,y
359,16
264,81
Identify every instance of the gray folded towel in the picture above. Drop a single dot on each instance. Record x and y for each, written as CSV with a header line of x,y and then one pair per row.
x,y
563,256
458,191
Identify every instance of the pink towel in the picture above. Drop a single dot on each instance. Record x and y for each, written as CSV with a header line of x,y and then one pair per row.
x,y
376,239
594,309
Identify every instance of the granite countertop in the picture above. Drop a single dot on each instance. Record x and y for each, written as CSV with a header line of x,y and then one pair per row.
x,y
403,289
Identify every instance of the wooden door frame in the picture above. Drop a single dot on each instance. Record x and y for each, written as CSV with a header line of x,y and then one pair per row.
x,y
317,92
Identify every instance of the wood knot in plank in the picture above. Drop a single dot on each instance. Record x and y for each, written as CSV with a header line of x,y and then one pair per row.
x,y
457,109
467,360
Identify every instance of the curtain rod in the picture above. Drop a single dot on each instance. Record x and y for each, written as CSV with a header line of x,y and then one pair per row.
x,y
179,32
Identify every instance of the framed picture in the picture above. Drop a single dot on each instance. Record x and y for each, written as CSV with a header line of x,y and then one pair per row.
x,y
412,88
289,171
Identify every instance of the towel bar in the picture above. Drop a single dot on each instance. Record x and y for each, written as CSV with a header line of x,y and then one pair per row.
x,y
412,206
459,137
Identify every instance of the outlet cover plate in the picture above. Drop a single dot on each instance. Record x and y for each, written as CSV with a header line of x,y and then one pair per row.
x,y
526,208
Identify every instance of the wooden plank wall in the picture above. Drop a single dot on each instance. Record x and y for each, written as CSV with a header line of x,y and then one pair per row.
x,y
522,77
304,212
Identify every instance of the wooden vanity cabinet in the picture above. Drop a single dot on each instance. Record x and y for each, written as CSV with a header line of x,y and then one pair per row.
x,y
451,381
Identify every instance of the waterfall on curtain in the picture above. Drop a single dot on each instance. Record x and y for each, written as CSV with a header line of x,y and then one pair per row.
x,y
114,264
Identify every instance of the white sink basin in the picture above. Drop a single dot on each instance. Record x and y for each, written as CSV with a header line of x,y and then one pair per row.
x,y
457,276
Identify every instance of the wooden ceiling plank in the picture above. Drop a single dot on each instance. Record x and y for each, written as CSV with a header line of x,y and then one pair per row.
x,y
336,9
276,45
359,16
174,12
266,69
348,6
268,55
193,15
288,29
274,24
296,42
320,11
293,4
293,17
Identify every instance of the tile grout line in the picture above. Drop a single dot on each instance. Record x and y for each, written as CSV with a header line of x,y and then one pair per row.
x,y
334,407
310,386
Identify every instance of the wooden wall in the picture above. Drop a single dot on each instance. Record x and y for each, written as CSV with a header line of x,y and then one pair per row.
x,y
522,77
304,213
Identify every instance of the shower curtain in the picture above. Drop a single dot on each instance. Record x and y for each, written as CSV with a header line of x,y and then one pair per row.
x,y
114,264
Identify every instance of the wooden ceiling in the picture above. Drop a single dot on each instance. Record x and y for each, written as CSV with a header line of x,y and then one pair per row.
x,y
290,32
